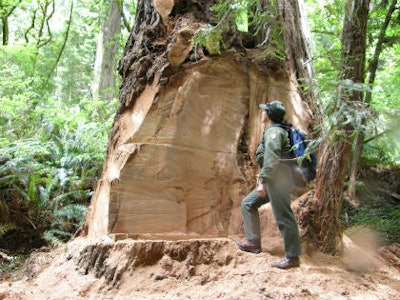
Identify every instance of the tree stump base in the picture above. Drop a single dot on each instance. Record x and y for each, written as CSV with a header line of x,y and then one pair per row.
x,y
114,259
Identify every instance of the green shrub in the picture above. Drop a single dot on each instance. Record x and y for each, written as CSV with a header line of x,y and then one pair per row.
x,y
53,168
383,218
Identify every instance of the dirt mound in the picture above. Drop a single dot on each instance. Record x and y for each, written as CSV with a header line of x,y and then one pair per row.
x,y
196,269
391,254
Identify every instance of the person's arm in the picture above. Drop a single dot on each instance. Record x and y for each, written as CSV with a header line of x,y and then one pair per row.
x,y
261,189
272,154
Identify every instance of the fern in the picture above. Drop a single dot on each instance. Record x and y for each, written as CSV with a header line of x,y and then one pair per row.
x,y
66,221
69,197
54,139
209,37
6,227
56,237
74,213
7,181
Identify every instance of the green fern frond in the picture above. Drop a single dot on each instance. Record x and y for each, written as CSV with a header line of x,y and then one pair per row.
x,y
56,238
6,227
72,212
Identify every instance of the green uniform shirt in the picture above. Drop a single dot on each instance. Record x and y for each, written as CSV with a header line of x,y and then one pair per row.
x,y
274,146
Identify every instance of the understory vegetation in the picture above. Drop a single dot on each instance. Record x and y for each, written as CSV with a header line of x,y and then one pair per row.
x,y
48,170
53,130
378,208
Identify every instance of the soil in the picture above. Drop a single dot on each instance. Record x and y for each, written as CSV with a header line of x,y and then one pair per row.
x,y
196,269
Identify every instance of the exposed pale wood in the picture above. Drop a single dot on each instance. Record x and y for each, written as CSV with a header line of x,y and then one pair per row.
x,y
180,158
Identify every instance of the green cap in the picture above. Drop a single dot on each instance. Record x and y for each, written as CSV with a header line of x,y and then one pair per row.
x,y
275,110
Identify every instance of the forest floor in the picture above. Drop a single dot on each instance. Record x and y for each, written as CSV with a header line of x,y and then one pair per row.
x,y
230,274
200,269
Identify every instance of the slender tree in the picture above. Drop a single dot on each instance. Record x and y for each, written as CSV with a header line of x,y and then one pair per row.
x,y
335,152
372,69
40,28
64,43
6,9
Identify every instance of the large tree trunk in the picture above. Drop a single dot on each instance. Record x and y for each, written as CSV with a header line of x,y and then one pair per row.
x,y
180,153
335,154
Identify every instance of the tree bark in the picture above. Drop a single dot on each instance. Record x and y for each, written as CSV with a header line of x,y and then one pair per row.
x,y
296,35
180,153
373,66
6,30
104,83
7,11
335,154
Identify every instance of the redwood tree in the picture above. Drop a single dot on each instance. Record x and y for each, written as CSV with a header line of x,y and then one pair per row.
x,y
104,81
179,159
335,151
180,153
372,70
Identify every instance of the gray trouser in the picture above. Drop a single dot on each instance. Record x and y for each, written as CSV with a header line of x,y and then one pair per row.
x,y
279,196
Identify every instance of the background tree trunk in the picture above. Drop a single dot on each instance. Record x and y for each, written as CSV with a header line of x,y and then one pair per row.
x,y
373,66
335,154
104,83
180,153
5,29
5,13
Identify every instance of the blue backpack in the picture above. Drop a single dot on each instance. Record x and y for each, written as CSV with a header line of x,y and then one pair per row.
x,y
303,158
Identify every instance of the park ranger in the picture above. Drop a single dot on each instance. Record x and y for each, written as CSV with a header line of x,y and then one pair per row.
x,y
274,183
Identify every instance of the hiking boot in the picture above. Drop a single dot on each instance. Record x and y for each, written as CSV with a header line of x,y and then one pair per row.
x,y
287,263
250,246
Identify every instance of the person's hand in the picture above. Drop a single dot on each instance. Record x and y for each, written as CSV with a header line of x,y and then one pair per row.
x,y
261,190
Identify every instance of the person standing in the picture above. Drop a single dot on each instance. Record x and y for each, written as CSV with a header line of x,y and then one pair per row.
x,y
274,184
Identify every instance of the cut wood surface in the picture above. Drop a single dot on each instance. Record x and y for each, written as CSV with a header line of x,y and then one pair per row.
x,y
177,163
